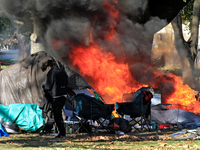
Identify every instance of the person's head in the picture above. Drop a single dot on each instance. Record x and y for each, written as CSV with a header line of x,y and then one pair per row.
x,y
48,64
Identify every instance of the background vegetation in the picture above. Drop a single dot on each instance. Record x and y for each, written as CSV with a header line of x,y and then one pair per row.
x,y
10,61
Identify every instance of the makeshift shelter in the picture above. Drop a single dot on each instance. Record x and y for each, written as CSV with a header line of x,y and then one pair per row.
x,y
21,89
181,118
22,81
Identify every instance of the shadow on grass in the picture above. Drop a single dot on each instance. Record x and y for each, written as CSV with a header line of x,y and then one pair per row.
x,y
78,141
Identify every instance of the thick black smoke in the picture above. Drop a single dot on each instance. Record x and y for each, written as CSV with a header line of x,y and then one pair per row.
x,y
63,24
72,20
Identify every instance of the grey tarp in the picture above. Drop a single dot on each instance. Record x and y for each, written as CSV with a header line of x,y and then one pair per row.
x,y
179,117
22,81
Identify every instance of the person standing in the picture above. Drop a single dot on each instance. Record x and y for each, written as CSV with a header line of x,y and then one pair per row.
x,y
56,86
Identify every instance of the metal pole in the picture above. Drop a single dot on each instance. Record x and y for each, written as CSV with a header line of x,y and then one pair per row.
x,y
73,117
91,118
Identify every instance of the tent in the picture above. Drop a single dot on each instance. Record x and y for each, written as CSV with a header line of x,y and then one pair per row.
x,y
162,115
21,90
181,118
22,81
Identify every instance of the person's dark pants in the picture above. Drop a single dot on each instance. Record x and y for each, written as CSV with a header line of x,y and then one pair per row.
x,y
57,105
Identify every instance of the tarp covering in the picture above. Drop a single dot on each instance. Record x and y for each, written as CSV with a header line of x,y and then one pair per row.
x,y
26,116
179,117
22,81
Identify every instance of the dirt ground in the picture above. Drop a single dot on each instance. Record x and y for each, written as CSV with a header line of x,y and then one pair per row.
x,y
160,134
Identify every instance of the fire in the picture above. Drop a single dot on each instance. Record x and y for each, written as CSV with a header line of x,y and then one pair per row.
x,y
113,14
183,97
112,78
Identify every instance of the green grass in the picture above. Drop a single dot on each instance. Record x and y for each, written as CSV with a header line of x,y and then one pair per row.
x,y
3,67
133,140
11,61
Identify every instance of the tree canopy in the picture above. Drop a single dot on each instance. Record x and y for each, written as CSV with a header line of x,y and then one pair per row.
x,y
187,12
6,28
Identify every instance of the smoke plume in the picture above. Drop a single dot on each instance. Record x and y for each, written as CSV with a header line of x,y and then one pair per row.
x,y
72,20
64,24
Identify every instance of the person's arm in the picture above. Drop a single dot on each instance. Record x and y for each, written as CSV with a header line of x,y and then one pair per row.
x,y
49,83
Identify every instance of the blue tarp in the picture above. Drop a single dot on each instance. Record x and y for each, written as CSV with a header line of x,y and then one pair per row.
x,y
27,116
2,132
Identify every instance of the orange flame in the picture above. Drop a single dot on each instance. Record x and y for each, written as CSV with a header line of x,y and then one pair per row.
x,y
183,97
112,79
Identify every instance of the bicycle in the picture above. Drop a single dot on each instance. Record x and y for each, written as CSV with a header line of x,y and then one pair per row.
x,y
186,134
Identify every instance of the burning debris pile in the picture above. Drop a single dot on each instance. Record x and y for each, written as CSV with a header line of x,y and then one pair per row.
x,y
113,79
108,42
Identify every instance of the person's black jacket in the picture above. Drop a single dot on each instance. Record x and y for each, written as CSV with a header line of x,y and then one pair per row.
x,y
56,82
46,104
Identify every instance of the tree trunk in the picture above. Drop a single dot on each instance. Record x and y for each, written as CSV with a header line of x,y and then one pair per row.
x,y
183,50
193,40
21,46
36,43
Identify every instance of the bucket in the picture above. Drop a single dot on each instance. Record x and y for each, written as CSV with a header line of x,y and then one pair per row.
x,y
154,125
